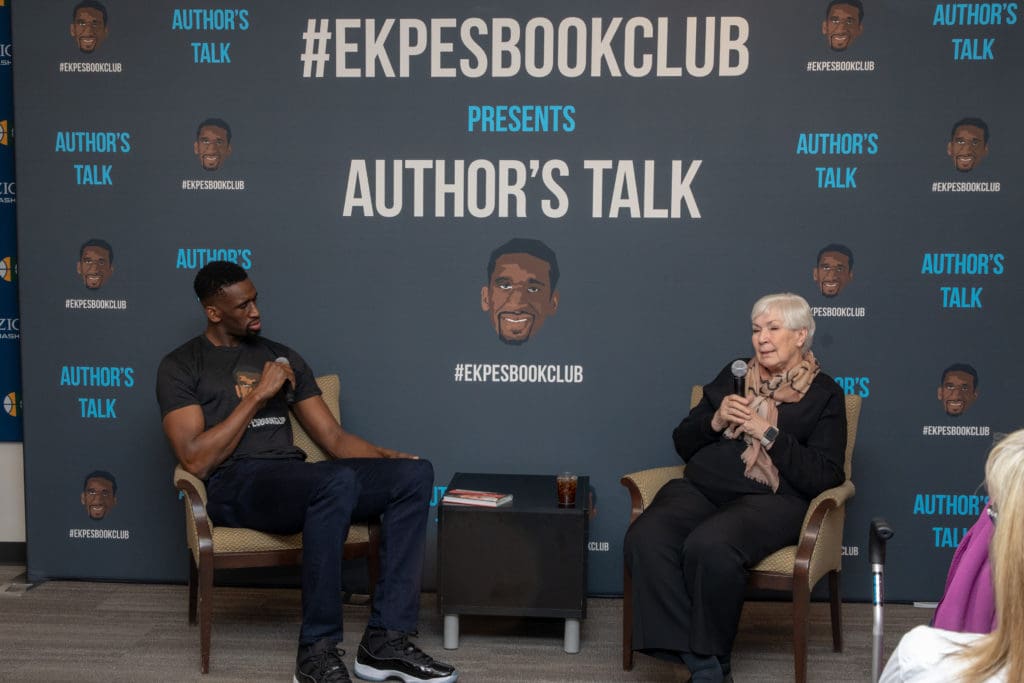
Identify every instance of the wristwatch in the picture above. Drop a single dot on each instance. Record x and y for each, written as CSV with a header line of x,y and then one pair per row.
x,y
769,437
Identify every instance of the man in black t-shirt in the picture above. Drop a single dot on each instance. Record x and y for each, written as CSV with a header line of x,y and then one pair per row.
x,y
225,397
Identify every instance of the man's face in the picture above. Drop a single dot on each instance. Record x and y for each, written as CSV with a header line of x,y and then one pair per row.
x,y
212,147
234,310
245,382
88,29
98,497
967,148
519,297
957,392
95,267
841,27
833,273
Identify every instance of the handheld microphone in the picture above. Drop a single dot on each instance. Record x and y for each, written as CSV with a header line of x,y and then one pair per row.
x,y
289,393
739,371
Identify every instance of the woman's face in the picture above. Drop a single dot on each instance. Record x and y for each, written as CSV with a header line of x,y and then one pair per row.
x,y
777,349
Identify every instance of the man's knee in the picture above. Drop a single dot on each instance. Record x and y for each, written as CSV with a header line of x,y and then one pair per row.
x,y
339,481
416,477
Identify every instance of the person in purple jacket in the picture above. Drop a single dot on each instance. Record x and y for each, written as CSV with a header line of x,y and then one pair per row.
x,y
928,654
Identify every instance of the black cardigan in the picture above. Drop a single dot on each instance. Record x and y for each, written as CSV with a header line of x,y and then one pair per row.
x,y
809,451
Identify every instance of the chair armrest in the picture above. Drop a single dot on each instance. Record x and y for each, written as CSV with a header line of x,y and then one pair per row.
x,y
826,500
645,484
189,483
199,529
821,521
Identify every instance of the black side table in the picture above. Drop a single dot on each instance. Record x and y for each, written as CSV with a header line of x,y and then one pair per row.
x,y
525,558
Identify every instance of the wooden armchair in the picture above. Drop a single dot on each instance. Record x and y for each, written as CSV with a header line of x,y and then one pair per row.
x,y
795,569
211,547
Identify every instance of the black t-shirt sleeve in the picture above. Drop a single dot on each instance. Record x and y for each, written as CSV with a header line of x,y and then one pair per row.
x,y
305,382
175,384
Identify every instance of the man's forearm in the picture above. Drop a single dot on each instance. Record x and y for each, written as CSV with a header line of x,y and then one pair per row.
x,y
346,445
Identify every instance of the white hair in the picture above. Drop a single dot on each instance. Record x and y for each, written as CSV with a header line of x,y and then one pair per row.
x,y
794,310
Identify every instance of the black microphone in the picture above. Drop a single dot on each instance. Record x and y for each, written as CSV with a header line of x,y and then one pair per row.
x,y
289,394
739,371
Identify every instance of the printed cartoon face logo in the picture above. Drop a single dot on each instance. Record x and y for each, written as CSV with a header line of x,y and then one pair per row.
x,y
99,494
833,270
844,22
520,294
246,380
959,389
95,263
213,144
968,144
89,25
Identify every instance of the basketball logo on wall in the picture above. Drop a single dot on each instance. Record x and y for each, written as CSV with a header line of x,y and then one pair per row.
x,y
8,269
4,135
12,404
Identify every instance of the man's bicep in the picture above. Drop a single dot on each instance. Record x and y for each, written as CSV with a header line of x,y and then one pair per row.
x,y
182,425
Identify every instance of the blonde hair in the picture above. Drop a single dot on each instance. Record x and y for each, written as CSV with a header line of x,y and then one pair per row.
x,y
1003,649
794,310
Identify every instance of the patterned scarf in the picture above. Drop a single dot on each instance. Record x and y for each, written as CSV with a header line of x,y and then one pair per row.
x,y
768,391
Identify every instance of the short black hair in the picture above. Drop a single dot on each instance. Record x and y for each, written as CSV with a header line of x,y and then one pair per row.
x,y
970,121
90,4
96,242
220,123
839,249
960,367
100,474
215,276
852,3
523,245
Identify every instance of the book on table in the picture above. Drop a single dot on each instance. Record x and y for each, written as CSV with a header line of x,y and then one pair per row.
x,y
489,499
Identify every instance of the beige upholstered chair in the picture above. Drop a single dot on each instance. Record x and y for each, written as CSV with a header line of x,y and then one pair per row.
x,y
211,547
795,569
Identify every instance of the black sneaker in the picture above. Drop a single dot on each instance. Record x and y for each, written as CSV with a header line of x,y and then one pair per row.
x,y
320,663
389,654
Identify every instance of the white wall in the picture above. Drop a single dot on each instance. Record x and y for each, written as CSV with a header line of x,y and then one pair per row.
x,y
12,493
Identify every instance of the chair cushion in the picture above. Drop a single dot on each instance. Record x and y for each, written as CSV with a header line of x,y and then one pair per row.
x,y
237,540
779,562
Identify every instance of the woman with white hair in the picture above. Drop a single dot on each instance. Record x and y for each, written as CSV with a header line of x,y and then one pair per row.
x,y
927,654
754,461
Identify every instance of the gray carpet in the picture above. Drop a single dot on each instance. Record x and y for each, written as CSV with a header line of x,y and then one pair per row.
x,y
85,631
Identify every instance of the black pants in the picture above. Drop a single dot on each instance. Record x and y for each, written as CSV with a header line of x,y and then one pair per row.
x,y
320,499
689,553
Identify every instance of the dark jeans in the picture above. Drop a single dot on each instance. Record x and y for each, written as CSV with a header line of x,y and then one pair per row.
x,y
320,499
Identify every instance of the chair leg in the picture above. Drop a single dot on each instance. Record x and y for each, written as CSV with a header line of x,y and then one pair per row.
x,y
627,619
801,606
193,587
837,611
205,612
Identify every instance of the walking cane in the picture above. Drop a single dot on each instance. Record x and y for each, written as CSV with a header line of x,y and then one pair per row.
x,y
879,533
